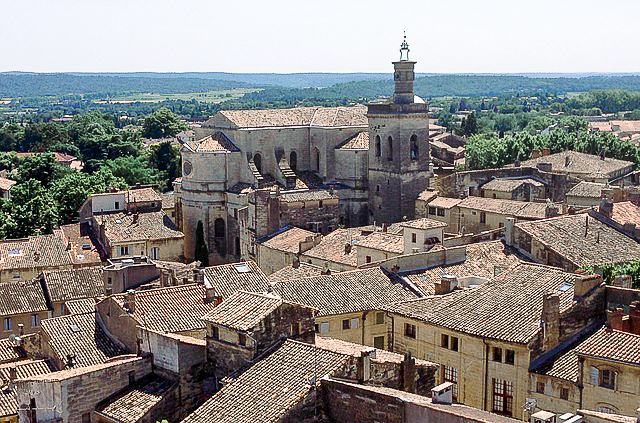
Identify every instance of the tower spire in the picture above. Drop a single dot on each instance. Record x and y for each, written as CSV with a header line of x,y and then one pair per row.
x,y
404,48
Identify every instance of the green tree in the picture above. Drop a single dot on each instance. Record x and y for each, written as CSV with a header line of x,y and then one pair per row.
x,y
201,253
32,210
134,170
161,124
470,125
166,158
41,167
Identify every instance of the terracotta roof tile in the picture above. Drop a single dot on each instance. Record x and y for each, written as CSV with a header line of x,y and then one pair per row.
x,y
217,142
423,223
566,236
136,401
509,185
35,252
82,306
612,345
359,141
565,367
304,270
120,227
65,285
579,163
22,297
332,246
83,251
586,189
227,279
307,195
384,241
272,386
346,292
8,352
444,202
80,335
299,116
626,212
506,308
8,399
287,240
142,195
505,207
6,184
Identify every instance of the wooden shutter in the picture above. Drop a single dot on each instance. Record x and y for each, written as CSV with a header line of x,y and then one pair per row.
x,y
594,376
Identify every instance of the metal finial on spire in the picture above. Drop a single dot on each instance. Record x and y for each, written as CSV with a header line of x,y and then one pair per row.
x,y
404,48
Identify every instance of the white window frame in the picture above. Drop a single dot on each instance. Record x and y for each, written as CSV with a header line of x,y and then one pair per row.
x,y
323,327
7,324
155,253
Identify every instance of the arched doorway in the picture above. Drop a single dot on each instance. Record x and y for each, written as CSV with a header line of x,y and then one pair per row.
x,y
377,145
293,161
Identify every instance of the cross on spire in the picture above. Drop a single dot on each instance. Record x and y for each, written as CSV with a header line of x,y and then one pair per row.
x,y
404,48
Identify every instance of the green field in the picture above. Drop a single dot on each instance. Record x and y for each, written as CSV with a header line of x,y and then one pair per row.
x,y
203,97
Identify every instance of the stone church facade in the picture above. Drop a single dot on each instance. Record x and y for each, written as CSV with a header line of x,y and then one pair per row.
x,y
248,173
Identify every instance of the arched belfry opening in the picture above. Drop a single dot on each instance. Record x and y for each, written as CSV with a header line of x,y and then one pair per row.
x,y
377,144
390,148
293,161
257,160
414,147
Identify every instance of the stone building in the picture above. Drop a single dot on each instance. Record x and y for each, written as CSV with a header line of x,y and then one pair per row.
x,y
526,189
5,187
246,174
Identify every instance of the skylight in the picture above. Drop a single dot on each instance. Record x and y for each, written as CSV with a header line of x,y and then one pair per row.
x,y
565,287
242,268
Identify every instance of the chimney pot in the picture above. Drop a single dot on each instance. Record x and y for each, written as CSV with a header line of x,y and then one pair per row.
x,y
21,329
130,301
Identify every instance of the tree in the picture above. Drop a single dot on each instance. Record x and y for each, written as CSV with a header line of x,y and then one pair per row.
x,y
134,170
41,167
161,124
32,210
201,253
166,159
470,126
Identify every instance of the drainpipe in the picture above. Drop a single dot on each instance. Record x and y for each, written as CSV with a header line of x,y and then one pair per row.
x,y
580,380
392,337
364,319
486,373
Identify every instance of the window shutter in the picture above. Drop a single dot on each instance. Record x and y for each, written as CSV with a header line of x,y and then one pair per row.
x,y
615,380
594,376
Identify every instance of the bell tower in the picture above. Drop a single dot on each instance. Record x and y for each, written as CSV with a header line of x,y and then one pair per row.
x,y
398,147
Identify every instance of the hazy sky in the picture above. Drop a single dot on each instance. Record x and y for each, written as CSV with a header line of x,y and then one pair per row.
x,y
282,36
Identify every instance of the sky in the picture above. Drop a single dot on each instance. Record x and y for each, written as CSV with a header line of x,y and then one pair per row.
x,y
281,36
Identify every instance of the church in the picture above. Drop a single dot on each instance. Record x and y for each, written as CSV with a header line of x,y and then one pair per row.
x,y
249,173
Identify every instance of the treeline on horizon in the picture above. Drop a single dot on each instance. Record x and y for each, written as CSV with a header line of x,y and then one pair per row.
x,y
17,85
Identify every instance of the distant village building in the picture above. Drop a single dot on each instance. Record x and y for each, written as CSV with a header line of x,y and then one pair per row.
x,y
5,187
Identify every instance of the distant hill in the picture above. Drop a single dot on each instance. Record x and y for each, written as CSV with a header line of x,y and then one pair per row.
x,y
304,85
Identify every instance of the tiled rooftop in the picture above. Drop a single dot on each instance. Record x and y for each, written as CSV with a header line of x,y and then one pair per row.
x,y
565,367
612,345
82,251
34,252
355,350
6,184
22,297
308,195
507,308
579,163
423,223
299,116
444,202
505,207
229,278
271,387
586,189
168,200
80,335
243,310
346,292
359,141
287,240
8,352
82,306
216,142
509,185
8,399
133,404
331,247
570,237
626,212
384,241
64,285
142,195
171,309
304,270
120,227
485,260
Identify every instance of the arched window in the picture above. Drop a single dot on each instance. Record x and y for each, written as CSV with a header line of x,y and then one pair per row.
x,y
218,228
414,147
377,145
389,149
316,158
257,160
293,161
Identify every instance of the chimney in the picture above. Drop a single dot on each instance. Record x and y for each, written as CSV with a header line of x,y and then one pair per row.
x,y
209,295
135,218
546,152
347,249
384,228
408,373
606,207
550,321
325,270
509,231
21,329
615,319
551,211
634,317
364,365
71,361
130,301
629,228
13,374
296,262
446,284
584,284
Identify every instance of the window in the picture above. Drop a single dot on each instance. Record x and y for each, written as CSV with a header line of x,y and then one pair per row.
x,y
564,394
606,409
257,161
540,387
483,217
444,341
413,238
378,342
414,147
410,330
390,149
215,332
63,309
295,328
116,205
320,204
124,250
379,318
155,253
323,327
608,379
109,282
293,161
432,210
510,356
450,374
454,343
368,259
377,145
132,377
345,324
440,211
242,339
354,323
35,320
502,397
497,354
86,418
8,323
